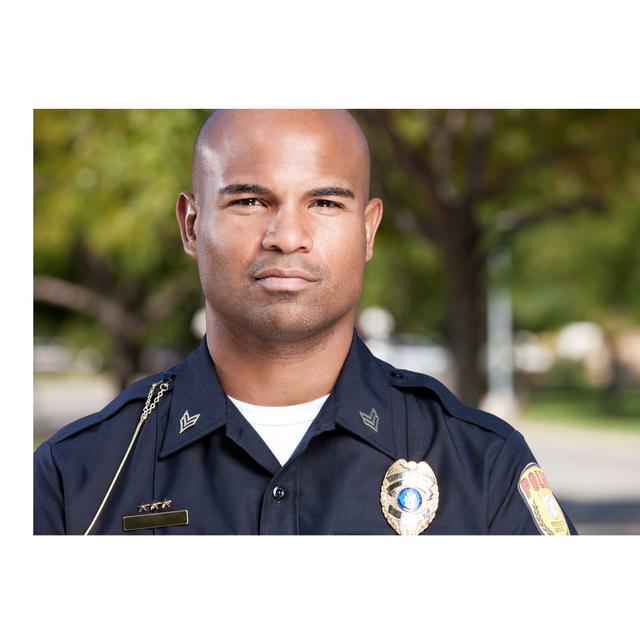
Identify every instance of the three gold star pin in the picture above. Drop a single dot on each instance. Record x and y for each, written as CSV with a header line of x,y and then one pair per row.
x,y
155,506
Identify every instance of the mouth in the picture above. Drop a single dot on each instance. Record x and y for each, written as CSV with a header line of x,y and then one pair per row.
x,y
274,279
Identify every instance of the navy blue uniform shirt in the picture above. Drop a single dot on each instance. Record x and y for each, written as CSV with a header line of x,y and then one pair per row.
x,y
219,470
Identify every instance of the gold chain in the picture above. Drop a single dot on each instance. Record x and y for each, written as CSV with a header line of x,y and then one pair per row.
x,y
149,406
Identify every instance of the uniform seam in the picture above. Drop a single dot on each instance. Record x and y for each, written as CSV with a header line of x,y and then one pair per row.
x,y
454,407
155,463
490,472
297,497
406,422
502,436
396,414
103,415
101,418
61,477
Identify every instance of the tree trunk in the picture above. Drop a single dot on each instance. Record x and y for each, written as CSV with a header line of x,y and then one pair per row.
x,y
122,325
611,394
466,322
124,359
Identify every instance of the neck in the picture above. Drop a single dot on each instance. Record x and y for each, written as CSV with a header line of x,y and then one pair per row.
x,y
278,374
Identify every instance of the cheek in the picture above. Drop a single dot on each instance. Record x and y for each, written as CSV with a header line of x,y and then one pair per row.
x,y
349,245
345,255
211,254
226,248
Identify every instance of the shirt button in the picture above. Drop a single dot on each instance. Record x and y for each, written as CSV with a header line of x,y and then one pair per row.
x,y
397,374
278,493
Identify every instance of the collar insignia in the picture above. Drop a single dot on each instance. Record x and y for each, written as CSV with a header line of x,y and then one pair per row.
x,y
409,497
371,419
188,421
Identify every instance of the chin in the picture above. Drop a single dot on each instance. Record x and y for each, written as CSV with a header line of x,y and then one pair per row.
x,y
289,330
285,325
284,321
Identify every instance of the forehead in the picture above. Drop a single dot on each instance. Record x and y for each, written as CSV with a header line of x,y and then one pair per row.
x,y
285,149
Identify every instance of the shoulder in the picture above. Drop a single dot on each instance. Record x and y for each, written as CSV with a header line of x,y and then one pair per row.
x,y
134,394
427,389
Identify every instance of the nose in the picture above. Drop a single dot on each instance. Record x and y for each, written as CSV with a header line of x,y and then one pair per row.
x,y
288,231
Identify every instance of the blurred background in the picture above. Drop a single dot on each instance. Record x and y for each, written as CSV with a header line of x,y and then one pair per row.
x,y
507,266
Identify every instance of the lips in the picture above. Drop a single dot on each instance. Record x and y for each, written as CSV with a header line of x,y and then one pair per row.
x,y
276,279
275,272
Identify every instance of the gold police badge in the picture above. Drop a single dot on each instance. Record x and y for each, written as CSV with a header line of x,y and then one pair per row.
x,y
409,497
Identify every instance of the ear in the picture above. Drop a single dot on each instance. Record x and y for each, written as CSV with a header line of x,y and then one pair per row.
x,y
187,213
372,218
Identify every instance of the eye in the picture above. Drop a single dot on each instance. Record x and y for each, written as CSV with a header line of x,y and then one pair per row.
x,y
327,204
248,202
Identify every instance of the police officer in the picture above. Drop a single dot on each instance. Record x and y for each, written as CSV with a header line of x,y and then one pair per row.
x,y
282,421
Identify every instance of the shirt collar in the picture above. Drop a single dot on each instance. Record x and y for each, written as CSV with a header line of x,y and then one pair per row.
x,y
197,401
360,400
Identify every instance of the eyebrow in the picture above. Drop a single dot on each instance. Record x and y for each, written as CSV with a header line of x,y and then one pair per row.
x,y
331,191
238,188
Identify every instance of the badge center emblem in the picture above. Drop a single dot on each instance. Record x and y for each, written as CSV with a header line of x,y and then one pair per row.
x,y
409,499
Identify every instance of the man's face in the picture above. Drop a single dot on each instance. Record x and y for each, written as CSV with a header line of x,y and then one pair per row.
x,y
283,226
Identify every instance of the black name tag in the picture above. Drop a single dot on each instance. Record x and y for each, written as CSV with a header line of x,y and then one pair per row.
x,y
155,520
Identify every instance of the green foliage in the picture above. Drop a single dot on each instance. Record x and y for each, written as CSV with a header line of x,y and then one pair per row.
x,y
584,269
583,265
106,183
584,408
405,276
566,375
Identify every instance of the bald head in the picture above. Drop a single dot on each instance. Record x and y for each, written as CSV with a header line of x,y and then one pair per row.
x,y
281,190
229,131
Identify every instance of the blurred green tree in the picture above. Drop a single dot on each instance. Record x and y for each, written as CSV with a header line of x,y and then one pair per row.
x,y
106,240
469,182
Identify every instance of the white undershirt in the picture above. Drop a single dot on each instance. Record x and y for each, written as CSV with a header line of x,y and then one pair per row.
x,y
281,428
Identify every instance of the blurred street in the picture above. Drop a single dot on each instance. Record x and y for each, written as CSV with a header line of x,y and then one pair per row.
x,y
595,473
58,400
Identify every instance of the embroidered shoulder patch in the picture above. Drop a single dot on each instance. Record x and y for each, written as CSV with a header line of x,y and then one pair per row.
x,y
545,510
